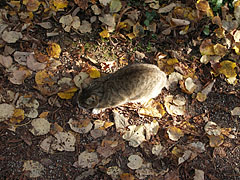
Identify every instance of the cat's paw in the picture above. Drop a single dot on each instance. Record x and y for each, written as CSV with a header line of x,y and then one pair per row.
x,y
97,110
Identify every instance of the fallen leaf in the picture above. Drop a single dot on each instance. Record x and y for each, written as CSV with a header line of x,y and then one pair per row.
x,y
126,176
167,8
104,34
227,68
29,105
220,50
44,114
115,6
40,126
44,77
237,10
85,27
199,175
114,172
190,85
135,162
32,5
83,4
54,50
179,22
65,82
80,126
203,5
215,141
6,111
18,116
45,25
105,2
186,155
96,133
235,111
211,128
174,133
21,57
68,94
96,9
206,48
60,4
172,108
88,159
79,79
64,141
202,96
41,57
151,129
11,36
33,64
157,149
33,169
94,73
120,121
135,135
19,75
45,144
108,19
6,61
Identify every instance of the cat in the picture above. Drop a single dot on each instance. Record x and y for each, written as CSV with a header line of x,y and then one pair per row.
x,y
132,83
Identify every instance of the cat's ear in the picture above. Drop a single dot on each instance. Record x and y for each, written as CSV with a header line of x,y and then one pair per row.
x,y
92,101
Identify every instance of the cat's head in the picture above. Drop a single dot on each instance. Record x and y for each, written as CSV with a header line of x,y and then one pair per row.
x,y
87,101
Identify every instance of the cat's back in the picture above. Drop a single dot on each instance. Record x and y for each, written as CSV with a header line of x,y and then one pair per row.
x,y
137,82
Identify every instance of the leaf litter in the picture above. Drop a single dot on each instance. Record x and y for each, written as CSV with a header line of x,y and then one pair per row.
x,y
43,59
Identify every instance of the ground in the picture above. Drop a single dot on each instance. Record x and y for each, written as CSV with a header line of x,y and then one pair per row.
x,y
91,52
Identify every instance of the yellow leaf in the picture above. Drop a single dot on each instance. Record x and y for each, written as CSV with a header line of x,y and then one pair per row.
x,y
220,32
227,68
44,114
172,61
94,73
32,5
122,25
152,109
177,152
167,65
203,5
236,47
131,36
42,77
175,133
60,4
18,116
220,50
68,94
201,97
54,50
104,34
108,124
215,141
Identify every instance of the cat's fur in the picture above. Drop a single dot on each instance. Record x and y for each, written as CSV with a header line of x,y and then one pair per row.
x,y
133,83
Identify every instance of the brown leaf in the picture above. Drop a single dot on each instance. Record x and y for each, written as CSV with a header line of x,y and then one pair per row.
x,y
83,4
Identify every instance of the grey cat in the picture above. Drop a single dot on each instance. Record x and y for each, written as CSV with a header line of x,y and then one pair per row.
x,y
132,83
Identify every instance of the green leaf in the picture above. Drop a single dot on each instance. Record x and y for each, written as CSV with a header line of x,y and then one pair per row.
x,y
115,6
